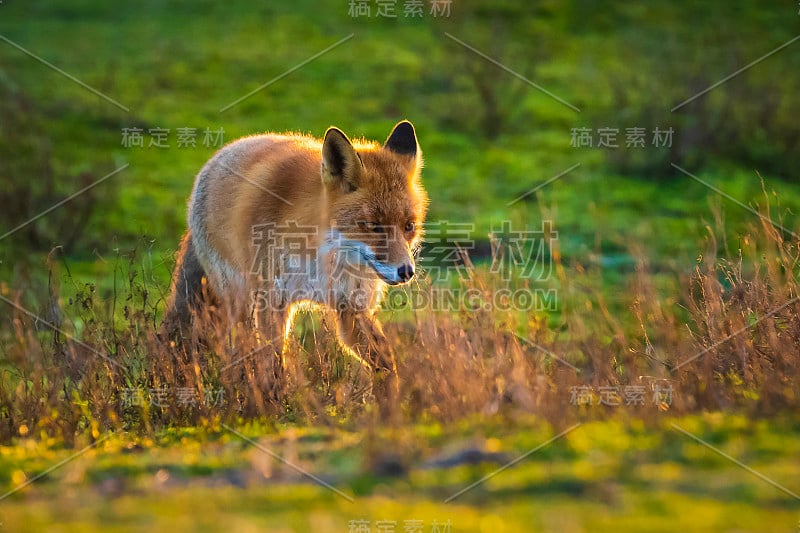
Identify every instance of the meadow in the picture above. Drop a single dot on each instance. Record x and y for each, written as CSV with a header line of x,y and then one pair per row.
x,y
645,378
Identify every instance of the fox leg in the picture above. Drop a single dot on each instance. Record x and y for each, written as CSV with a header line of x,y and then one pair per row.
x,y
185,295
270,325
363,334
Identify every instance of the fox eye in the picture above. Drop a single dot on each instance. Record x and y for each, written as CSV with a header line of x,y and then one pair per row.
x,y
372,226
410,227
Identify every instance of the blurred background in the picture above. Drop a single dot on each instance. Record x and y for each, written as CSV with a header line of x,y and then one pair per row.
x,y
609,75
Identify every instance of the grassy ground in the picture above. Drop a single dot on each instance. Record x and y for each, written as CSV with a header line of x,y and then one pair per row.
x,y
617,474
472,401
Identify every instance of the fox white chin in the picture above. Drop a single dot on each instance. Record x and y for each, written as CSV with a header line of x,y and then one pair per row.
x,y
388,274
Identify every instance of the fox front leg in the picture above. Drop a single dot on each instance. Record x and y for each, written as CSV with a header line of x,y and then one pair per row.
x,y
363,333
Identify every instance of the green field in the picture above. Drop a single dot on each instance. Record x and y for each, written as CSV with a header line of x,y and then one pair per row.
x,y
675,263
615,475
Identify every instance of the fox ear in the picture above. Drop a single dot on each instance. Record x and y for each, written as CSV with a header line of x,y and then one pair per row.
x,y
403,139
341,165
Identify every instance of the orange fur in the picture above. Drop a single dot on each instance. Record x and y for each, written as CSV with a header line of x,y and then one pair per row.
x,y
361,205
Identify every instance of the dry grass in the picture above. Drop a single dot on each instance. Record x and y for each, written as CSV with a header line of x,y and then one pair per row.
x,y
738,310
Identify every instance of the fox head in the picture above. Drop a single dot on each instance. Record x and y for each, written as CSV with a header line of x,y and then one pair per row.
x,y
376,202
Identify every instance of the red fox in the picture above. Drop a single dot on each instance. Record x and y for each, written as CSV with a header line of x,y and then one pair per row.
x,y
276,221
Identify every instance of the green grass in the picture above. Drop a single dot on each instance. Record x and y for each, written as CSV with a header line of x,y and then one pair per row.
x,y
617,474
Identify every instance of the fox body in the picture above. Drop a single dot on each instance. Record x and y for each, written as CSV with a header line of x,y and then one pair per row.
x,y
276,221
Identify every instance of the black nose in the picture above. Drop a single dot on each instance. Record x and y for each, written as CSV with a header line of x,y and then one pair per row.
x,y
405,272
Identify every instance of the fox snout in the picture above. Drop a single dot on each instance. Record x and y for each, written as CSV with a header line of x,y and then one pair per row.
x,y
405,273
391,274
